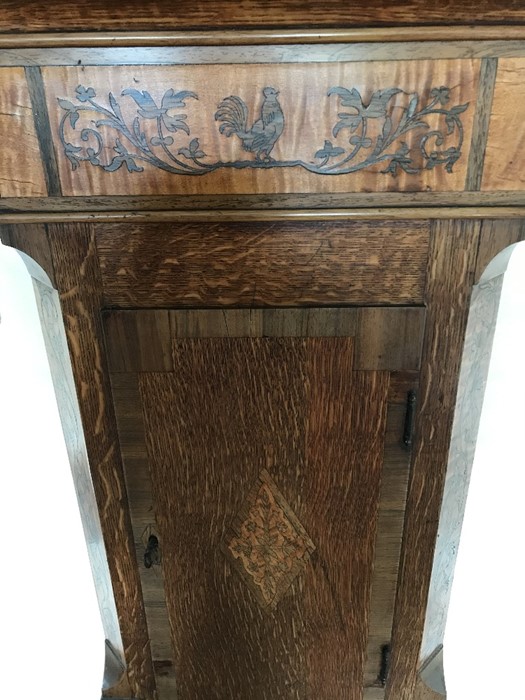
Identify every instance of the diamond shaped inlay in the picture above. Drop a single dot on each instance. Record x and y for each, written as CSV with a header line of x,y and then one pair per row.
x,y
267,544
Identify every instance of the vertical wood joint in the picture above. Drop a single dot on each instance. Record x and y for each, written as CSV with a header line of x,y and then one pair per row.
x,y
480,129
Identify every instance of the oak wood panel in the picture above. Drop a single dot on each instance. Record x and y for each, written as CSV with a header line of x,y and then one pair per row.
x,y
265,430
96,15
505,159
451,272
21,173
78,281
258,264
252,323
310,115
495,236
137,340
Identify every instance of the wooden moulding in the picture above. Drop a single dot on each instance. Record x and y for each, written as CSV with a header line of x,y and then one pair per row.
x,y
269,215
185,53
258,36
177,204
93,15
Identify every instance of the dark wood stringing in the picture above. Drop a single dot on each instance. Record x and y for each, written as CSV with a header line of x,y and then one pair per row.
x,y
480,131
37,94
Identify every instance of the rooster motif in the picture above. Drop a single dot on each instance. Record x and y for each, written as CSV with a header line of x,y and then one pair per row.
x,y
263,135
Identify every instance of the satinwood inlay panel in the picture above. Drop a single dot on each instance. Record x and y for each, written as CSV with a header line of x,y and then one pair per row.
x,y
349,126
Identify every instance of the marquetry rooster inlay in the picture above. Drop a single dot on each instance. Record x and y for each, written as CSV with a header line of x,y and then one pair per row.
x,y
263,135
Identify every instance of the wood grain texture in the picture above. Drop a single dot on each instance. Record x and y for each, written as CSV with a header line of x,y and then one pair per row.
x,y
248,264
225,645
262,204
495,236
505,159
21,173
309,117
78,281
451,272
95,15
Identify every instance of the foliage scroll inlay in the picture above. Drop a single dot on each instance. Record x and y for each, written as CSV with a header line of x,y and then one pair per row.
x,y
267,544
365,134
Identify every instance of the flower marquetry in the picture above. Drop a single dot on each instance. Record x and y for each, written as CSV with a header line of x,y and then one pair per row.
x,y
267,544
